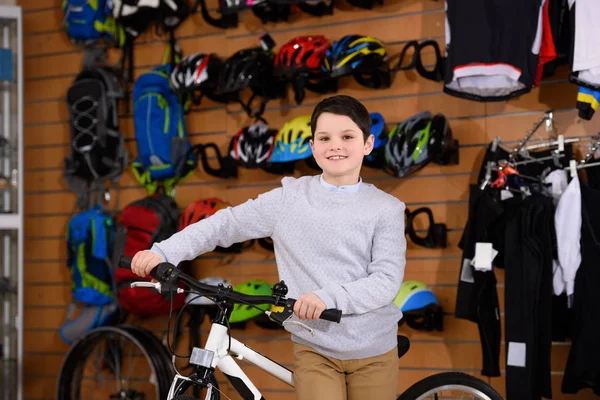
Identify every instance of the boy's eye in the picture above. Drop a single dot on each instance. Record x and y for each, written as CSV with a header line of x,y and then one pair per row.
x,y
347,137
324,138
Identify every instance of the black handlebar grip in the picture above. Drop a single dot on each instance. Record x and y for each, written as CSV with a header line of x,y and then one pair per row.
x,y
331,314
125,262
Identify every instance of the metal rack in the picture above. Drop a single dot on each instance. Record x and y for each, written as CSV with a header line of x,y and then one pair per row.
x,y
11,203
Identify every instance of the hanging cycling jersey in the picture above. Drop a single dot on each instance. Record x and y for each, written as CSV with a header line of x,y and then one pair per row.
x,y
492,48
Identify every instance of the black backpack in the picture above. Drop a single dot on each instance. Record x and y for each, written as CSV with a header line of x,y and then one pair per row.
x,y
98,149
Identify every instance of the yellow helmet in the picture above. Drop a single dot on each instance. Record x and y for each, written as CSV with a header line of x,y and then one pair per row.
x,y
292,141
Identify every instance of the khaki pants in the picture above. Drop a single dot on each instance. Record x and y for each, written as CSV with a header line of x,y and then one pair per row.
x,y
318,377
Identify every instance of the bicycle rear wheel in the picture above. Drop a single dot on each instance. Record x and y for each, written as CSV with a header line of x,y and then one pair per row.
x,y
450,385
115,363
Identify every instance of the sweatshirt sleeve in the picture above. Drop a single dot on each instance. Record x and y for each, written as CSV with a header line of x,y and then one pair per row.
x,y
256,218
385,272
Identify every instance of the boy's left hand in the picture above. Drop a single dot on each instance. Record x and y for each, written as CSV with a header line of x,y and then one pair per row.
x,y
309,306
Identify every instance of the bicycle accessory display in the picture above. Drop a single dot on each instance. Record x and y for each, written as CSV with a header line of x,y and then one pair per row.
x,y
141,224
252,146
416,62
363,57
249,68
164,149
98,149
380,131
419,306
302,59
413,143
87,21
243,312
90,241
437,234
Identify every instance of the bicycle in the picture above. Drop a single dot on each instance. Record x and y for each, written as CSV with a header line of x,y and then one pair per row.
x,y
220,347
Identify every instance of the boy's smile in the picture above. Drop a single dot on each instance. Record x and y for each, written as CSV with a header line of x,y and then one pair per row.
x,y
339,148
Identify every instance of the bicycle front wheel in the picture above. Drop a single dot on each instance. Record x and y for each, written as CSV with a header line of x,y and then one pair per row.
x,y
450,385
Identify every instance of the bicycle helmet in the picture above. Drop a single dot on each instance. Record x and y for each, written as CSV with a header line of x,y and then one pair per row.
x,y
302,59
197,72
419,306
292,142
253,145
413,143
379,130
364,57
244,312
248,68
199,210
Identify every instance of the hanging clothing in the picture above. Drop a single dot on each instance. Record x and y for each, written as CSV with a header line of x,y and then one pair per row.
x,y
477,297
567,220
492,48
528,296
583,365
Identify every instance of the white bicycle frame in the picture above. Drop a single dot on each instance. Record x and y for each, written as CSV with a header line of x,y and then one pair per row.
x,y
218,343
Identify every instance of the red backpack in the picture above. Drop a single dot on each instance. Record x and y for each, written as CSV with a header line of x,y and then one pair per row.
x,y
141,224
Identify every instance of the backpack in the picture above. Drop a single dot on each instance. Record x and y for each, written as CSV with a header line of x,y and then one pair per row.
x,y
162,142
98,149
87,21
90,240
141,224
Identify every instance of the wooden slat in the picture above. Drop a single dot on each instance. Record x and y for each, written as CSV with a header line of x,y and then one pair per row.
x,y
52,179
410,190
32,6
42,21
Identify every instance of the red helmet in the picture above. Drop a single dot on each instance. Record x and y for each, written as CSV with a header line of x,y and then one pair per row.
x,y
199,210
301,54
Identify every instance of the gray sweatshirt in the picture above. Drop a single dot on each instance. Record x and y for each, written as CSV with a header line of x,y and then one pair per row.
x,y
347,248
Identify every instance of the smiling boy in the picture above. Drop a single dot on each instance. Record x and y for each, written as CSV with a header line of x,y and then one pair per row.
x,y
339,243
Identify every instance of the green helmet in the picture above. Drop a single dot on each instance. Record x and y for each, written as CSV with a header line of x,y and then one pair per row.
x,y
419,306
245,312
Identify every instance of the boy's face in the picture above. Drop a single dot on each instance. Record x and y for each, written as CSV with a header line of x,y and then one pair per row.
x,y
339,148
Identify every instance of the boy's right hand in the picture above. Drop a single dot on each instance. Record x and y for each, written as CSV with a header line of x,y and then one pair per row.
x,y
144,261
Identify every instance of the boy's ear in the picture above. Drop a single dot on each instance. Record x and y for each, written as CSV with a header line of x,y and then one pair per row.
x,y
369,143
312,144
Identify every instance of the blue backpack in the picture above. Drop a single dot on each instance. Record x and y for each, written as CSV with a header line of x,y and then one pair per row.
x,y
87,21
163,146
90,242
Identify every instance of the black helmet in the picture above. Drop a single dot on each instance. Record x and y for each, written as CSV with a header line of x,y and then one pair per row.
x,y
249,68
422,138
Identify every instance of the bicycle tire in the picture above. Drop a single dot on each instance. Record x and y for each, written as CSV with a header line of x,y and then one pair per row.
x,y
449,380
159,353
72,365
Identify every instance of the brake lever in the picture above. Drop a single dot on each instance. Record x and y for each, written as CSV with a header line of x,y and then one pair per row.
x,y
152,285
284,319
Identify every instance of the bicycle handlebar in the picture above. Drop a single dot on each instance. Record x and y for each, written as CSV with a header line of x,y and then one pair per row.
x,y
165,272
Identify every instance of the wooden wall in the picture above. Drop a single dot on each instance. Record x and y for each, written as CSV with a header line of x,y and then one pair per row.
x,y
51,63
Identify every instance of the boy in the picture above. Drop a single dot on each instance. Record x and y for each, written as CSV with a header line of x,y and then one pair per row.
x,y
339,243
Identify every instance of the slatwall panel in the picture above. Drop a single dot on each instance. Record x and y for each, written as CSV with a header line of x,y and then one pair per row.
x,y
51,63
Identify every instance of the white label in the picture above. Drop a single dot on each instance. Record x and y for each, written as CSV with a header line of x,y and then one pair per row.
x,y
466,273
484,254
516,354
